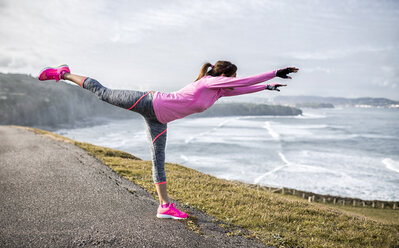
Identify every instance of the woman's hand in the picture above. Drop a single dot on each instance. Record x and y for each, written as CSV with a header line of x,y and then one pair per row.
x,y
283,72
274,86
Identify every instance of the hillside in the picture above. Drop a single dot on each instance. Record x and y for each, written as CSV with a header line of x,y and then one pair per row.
x,y
27,101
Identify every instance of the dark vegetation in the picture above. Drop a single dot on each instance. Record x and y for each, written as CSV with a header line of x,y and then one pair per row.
x,y
27,101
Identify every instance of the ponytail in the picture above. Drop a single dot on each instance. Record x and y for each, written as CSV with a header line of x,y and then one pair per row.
x,y
220,68
204,70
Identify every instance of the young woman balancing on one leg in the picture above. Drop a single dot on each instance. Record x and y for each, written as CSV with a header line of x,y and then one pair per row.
x,y
157,108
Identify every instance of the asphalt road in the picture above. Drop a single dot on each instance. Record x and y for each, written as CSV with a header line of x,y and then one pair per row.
x,y
53,194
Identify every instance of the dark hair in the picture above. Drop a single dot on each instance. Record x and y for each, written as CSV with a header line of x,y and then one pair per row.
x,y
220,67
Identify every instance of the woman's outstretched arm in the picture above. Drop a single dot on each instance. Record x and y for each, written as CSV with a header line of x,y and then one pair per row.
x,y
243,90
231,82
250,89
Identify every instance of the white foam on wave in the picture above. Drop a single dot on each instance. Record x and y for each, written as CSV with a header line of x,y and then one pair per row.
x,y
371,136
319,132
272,133
299,167
217,166
310,116
182,156
268,117
314,126
191,138
258,179
220,125
117,134
305,170
284,158
391,164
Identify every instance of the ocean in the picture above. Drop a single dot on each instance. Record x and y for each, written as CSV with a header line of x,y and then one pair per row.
x,y
345,151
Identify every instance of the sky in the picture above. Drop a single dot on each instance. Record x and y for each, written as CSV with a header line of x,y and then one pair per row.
x,y
342,48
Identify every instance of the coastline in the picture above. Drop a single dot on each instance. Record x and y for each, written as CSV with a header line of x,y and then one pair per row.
x,y
283,219
313,153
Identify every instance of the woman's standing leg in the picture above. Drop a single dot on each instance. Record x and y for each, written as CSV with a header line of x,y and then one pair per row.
x,y
156,137
156,133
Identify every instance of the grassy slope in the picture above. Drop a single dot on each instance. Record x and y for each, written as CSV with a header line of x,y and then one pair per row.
x,y
279,220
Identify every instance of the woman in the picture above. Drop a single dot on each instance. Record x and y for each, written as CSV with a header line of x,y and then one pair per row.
x,y
157,108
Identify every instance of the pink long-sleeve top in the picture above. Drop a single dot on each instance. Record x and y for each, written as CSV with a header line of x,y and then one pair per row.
x,y
200,95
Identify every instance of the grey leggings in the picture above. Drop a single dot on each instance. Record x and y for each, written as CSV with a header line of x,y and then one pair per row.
x,y
140,102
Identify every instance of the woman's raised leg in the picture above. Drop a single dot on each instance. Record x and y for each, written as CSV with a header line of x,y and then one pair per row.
x,y
128,99
74,78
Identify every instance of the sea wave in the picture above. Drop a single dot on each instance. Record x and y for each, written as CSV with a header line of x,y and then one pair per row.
x,y
220,125
391,164
303,169
284,158
310,116
258,179
372,136
272,133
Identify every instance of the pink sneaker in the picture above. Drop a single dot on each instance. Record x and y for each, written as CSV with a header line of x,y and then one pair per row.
x,y
56,73
169,211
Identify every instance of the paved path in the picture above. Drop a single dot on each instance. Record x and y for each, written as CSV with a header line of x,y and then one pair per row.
x,y
53,194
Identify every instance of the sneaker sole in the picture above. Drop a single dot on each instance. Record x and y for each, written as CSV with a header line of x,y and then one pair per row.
x,y
167,216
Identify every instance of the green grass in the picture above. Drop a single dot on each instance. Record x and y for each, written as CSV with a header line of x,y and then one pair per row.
x,y
278,220
387,216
